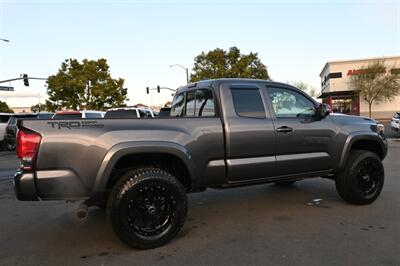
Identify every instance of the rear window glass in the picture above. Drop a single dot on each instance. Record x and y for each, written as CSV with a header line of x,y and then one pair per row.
x,y
67,116
4,118
93,115
121,114
248,102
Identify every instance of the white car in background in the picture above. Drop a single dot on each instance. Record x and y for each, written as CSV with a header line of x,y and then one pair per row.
x,y
85,114
4,117
129,112
394,124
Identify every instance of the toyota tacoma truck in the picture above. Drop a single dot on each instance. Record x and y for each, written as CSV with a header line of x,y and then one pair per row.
x,y
219,134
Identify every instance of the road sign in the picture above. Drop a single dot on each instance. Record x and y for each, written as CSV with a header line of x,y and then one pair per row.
x,y
6,88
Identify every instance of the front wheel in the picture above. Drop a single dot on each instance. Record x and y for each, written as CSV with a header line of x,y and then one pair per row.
x,y
147,207
362,180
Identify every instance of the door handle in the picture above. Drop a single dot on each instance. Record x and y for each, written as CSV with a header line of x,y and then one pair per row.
x,y
284,129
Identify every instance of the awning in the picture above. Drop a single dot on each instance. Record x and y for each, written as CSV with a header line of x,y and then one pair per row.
x,y
337,93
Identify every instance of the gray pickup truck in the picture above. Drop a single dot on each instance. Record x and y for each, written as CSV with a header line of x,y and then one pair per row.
x,y
220,133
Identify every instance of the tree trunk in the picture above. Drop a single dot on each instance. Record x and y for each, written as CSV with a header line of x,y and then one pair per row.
x,y
369,109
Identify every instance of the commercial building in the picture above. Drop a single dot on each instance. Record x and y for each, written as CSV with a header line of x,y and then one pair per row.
x,y
21,109
337,91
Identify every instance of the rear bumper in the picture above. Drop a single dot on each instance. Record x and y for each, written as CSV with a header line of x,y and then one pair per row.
x,y
24,186
49,185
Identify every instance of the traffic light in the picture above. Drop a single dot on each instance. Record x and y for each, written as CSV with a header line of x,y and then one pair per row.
x,y
147,90
158,88
26,80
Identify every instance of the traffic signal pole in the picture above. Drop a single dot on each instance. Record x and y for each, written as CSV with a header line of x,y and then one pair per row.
x,y
21,78
158,88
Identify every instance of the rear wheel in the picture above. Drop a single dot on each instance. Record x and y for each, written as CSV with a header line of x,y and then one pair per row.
x,y
147,207
362,180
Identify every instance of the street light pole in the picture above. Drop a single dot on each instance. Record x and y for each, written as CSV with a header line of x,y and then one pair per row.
x,y
185,68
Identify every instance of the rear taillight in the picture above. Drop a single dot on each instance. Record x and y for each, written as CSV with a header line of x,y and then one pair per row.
x,y
27,147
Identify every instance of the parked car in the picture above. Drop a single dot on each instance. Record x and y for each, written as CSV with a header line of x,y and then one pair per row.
x,y
164,112
11,128
86,114
221,133
129,112
4,117
395,123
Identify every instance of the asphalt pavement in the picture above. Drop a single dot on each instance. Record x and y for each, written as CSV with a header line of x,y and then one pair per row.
x,y
8,164
306,224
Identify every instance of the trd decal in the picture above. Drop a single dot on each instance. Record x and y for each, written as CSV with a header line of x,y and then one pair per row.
x,y
75,124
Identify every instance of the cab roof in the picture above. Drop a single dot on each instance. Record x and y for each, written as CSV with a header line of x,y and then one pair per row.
x,y
210,82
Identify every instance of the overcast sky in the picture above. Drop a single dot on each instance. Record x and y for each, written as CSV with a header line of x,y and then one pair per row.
x,y
141,39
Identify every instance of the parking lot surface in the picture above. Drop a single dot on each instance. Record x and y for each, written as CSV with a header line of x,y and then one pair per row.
x,y
306,224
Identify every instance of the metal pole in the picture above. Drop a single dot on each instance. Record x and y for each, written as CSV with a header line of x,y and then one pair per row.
x,y
8,80
185,68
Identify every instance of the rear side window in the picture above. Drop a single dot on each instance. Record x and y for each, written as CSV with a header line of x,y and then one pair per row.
x,y
200,103
248,102
204,103
190,103
177,105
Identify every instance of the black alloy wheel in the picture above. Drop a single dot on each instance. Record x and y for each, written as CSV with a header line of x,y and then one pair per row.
x,y
361,182
147,207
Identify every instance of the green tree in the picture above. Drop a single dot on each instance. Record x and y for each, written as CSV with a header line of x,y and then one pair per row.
x,y
375,84
38,108
85,86
228,64
306,88
4,108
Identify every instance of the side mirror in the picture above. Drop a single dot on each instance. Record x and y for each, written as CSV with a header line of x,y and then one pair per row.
x,y
324,110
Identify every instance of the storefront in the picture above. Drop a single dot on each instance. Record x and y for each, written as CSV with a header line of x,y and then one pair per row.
x,y
337,91
345,102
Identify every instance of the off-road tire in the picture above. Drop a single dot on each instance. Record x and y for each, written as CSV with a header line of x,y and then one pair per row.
x,y
353,182
135,201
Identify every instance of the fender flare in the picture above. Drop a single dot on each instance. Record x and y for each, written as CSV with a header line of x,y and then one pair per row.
x,y
127,148
356,136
